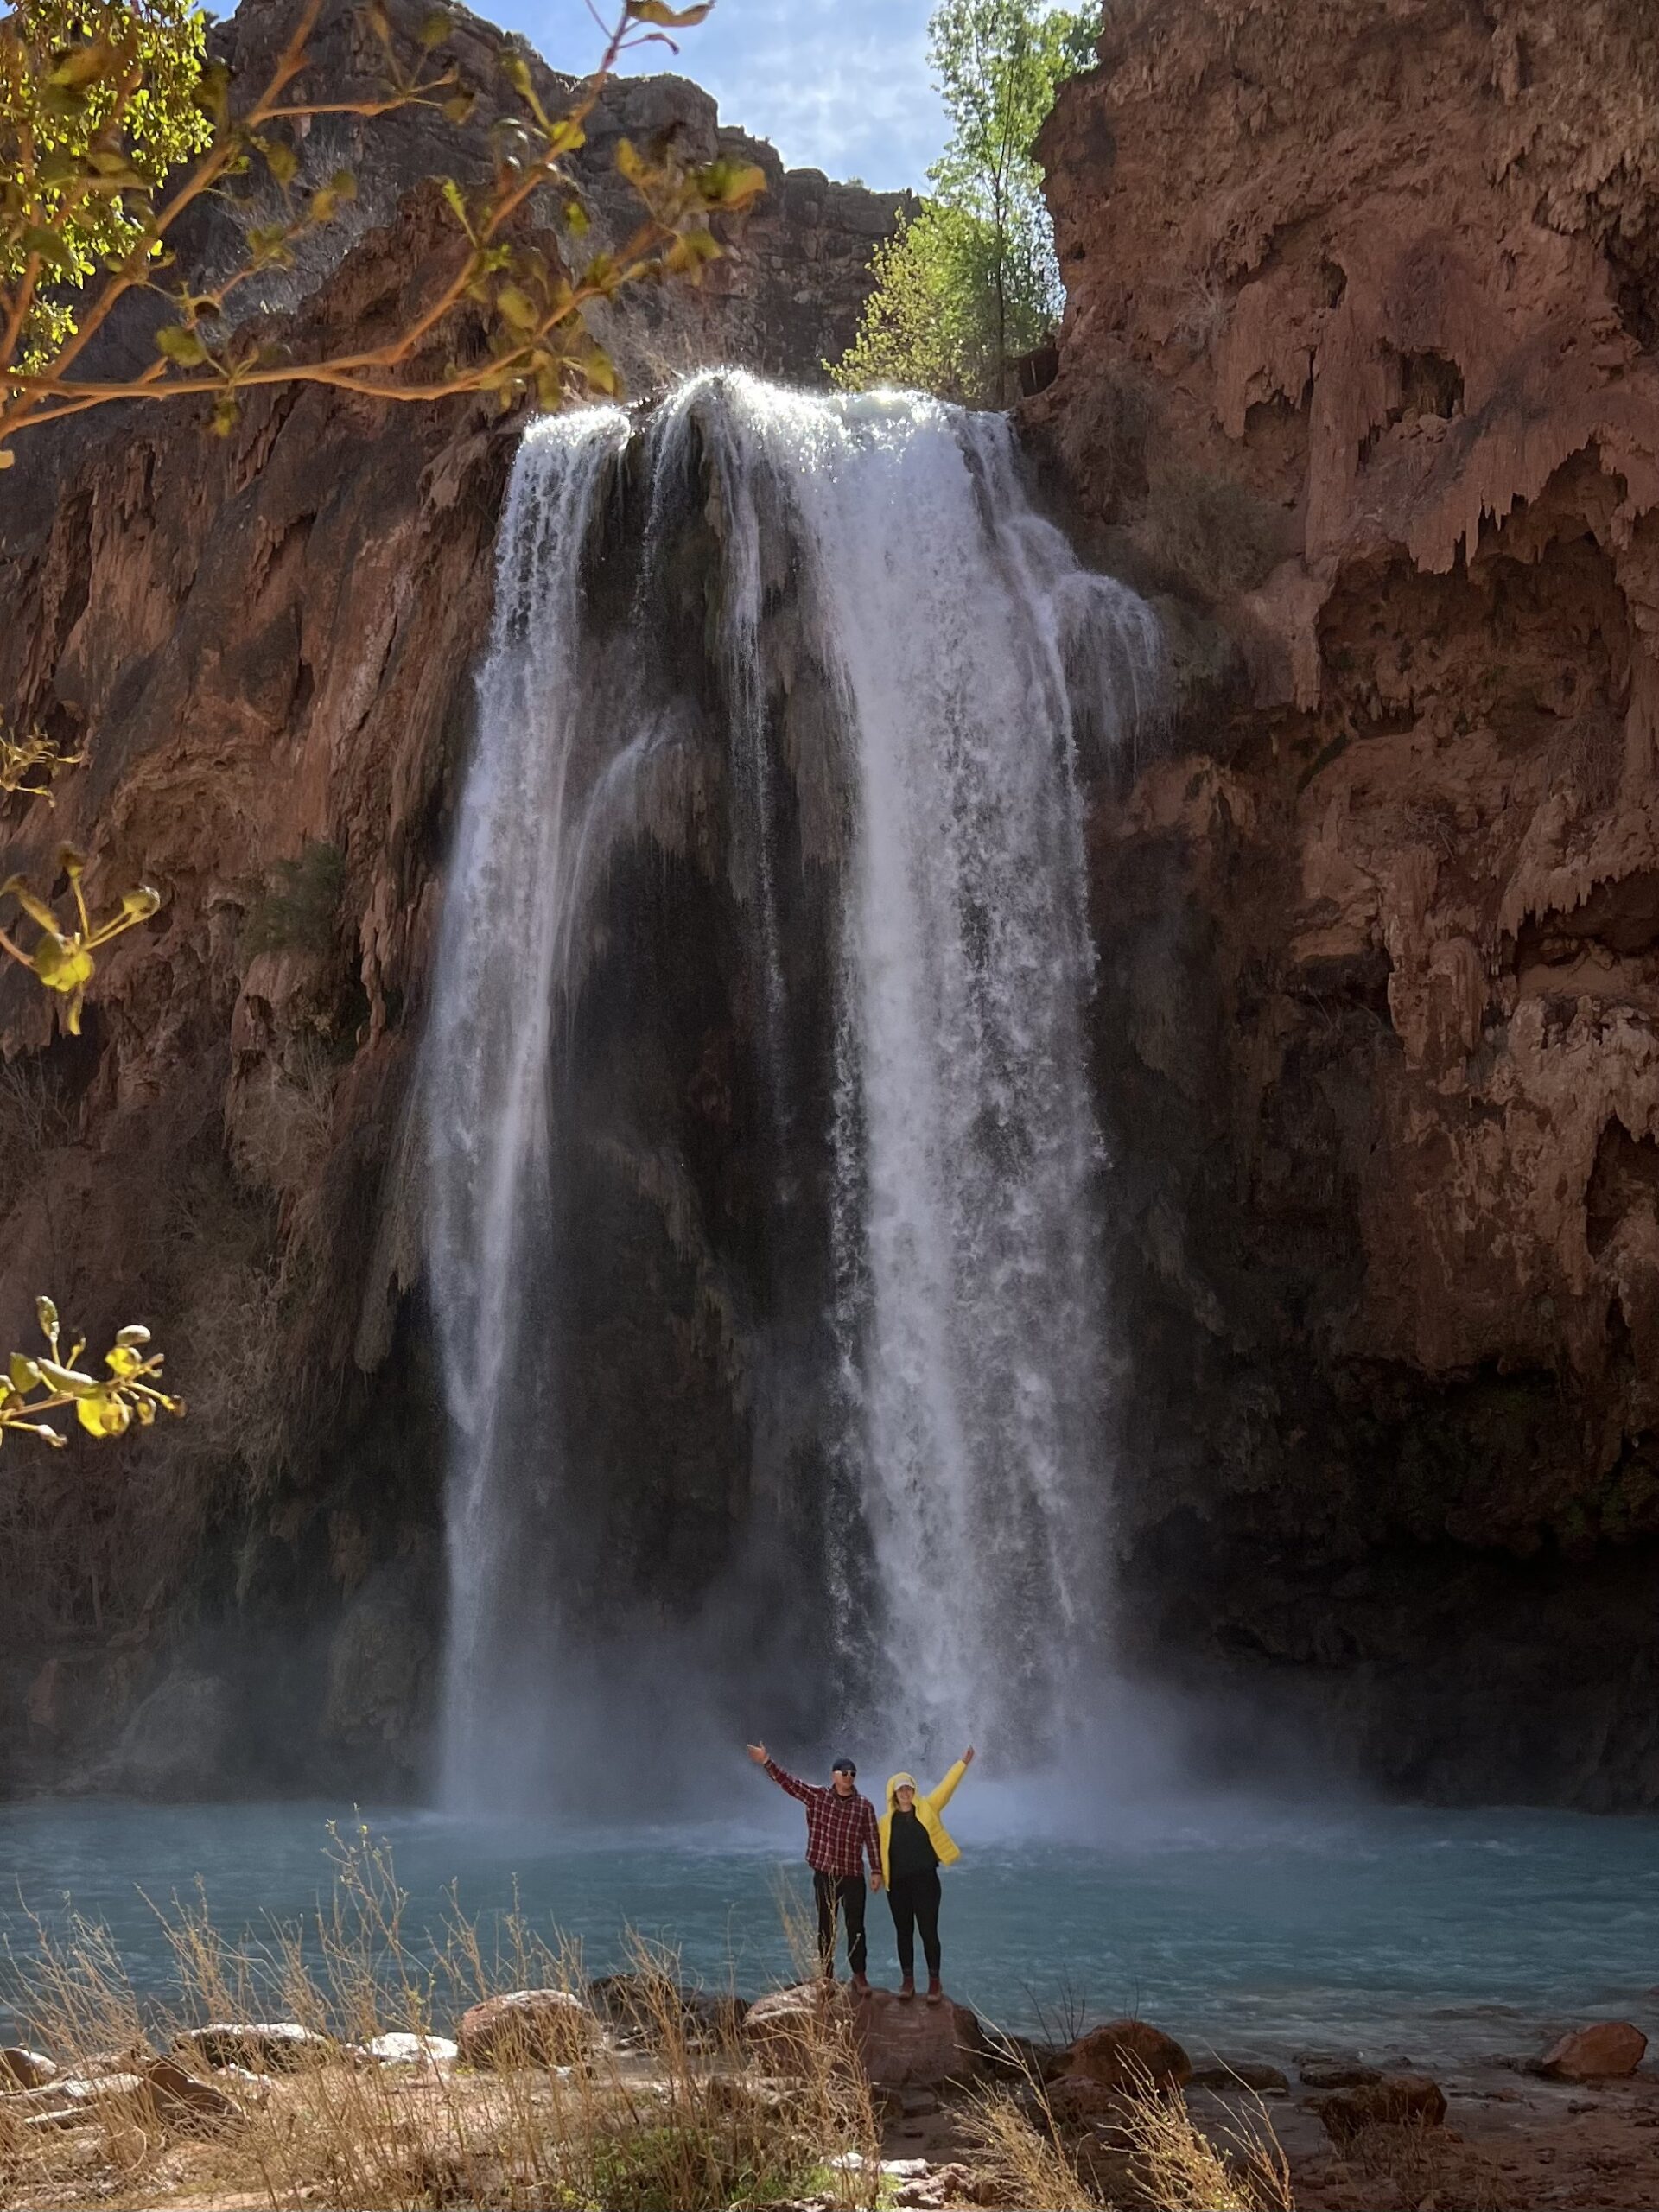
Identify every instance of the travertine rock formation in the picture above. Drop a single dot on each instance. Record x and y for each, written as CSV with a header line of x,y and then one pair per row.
x,y
1359,365
268,640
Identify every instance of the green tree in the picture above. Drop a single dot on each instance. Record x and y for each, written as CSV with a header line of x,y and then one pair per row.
x,y
971,284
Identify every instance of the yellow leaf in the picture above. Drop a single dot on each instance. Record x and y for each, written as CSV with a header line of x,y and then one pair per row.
x,y
670,19
47,1314
61,964
102,1413
72,1381
517,307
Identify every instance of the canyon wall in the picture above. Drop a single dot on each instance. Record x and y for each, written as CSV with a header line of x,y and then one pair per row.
x,y
1356,378
1357,369
267,642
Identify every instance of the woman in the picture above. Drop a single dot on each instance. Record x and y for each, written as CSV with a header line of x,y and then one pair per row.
x,y
915,1844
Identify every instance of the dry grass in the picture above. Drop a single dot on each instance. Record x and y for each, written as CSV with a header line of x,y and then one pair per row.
x,y
1147,2151
689,2122
1177,2165
1020,2153
33,1120
1419,2162
281,1131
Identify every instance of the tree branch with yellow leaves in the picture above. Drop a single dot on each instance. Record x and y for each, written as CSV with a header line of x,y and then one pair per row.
x,y
113,125
105,1405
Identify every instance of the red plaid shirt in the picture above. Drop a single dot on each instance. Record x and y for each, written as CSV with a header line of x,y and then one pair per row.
x,y
839,1830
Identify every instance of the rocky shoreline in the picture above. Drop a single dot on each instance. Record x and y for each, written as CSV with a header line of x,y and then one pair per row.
x,y
1577,2126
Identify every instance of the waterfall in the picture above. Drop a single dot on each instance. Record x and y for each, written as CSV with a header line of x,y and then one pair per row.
x,y
890,675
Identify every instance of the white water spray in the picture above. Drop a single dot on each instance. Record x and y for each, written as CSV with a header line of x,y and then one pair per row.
x,y
963,651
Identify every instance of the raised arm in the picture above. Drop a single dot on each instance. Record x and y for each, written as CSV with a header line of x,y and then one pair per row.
x,y
947,1790
804,1791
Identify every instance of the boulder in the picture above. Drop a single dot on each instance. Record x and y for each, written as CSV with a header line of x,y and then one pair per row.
x,y
21,2068
405,2050
785,2026
1392,2100
1336,2073
638,2006
1241,2074
535,2027
902,2045
906,2044
83,2091
1130,2055
184,2100
1077,2100
177,1741
1607,2051
262,2046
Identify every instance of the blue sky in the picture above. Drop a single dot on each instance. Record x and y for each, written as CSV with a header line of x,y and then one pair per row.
x,y
836,85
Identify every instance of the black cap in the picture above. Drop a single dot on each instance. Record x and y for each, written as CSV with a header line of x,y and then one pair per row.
x,y
844,1766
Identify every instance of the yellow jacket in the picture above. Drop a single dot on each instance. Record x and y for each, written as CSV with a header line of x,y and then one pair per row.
x,y
928,1809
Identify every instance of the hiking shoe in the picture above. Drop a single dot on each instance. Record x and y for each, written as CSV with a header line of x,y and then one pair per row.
x,y
861,1984
934,1990
907,1986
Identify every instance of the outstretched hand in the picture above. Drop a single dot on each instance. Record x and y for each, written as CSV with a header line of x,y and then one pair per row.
x,y
757,1752
968,1755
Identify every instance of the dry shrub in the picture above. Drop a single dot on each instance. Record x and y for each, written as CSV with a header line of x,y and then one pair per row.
x,y
1418,2162
1018,2148
33,1120
694,2123
1180,2169
1150,2143
1211,535
281,1131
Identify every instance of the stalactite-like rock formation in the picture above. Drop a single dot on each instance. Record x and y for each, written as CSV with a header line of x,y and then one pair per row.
x,y
1358,364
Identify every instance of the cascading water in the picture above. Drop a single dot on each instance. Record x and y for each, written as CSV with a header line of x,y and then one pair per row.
x,y
877,556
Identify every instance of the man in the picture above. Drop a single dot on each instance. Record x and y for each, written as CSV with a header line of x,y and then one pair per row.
x,y
841,1834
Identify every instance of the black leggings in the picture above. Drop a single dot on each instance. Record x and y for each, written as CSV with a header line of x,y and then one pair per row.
x,y
913,1900
840,1897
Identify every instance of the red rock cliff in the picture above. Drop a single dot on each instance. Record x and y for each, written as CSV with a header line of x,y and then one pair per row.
x,y
1359,368
267,642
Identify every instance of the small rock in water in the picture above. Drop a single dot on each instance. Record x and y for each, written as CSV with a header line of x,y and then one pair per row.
x,y
25,2069
262,2046
1329,2070
1605,2052
1392,2100
1130,2055
536,2027
402,2049
1242,2074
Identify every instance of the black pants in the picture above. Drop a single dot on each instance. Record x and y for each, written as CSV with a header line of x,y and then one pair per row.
x,y
914,1899
841,1894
